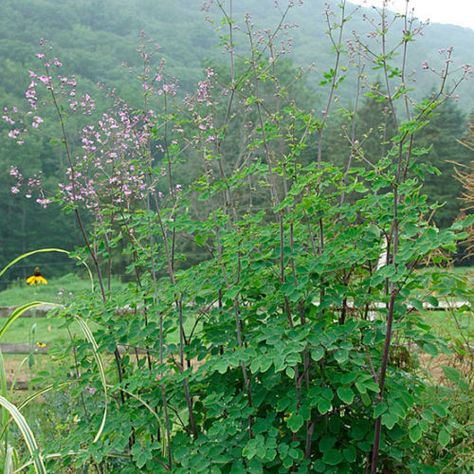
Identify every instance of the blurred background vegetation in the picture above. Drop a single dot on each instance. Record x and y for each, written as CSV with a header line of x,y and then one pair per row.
x,y
98,40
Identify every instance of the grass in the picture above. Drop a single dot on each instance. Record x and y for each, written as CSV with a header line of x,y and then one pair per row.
x,y
464,270
56,291
33,330
451,324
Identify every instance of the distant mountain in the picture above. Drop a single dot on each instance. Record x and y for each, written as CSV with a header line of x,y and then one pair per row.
x,y
95,37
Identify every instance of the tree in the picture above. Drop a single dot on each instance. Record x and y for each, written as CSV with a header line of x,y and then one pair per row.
x,y
465,175
442,135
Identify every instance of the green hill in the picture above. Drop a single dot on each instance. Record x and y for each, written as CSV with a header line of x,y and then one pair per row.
x,y
98,39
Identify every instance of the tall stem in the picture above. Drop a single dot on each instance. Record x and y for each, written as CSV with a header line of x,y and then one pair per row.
x,y
179,307
79,220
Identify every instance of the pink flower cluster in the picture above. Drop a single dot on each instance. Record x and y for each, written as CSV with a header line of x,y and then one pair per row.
x,y
15,173
154,82
12,118
112,166
78,189
203,94
37,121
31,185
86,104
111,170
30,93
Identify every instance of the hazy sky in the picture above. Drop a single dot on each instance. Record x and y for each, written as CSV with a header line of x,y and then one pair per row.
x,y
456,12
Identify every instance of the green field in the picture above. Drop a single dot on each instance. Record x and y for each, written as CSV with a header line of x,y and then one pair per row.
x,y
58,290
49,330
42,330
36,330
451,325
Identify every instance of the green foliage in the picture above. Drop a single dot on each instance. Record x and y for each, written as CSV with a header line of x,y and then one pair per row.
x,y
295,344
306,366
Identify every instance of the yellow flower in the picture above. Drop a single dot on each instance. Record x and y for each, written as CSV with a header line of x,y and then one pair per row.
x,y
36,278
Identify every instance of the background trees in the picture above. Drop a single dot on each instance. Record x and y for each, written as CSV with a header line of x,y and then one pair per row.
x,y
98,42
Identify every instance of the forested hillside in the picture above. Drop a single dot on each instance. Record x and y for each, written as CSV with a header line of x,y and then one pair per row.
x,y
99,37
97,41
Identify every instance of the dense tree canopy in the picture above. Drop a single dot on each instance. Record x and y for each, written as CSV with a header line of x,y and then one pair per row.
x,y
98,43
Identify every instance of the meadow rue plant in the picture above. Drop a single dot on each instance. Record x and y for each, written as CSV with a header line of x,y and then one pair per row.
x,y
259,331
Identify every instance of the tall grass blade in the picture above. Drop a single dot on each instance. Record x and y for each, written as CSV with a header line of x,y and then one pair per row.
x,y
28,254
4,418
9,466
33,397
15,375
95,348
88,335
27,435
44,390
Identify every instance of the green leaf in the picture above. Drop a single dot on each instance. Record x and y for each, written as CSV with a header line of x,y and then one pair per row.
x,y
295,453
319,466
428,416
380,409
430,349
342,355
317,353
443,438
414,433
350,454
221,365
324,406
456,377
440,410
348,377
374,230
346,395
265,364
283,450
389,420
327,393
238,468
141,455
361,387
366,400
417,304
326,442
432,301
372,386
332,457
295,422
287,462
250,449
